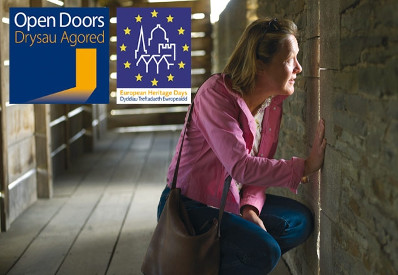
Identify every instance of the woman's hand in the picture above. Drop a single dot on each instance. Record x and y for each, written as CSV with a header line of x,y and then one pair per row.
x,y
314,162
250,213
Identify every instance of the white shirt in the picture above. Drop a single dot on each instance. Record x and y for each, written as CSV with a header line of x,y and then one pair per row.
x,y
259,121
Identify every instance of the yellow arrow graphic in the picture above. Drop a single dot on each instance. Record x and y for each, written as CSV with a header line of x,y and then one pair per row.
x,y
86,80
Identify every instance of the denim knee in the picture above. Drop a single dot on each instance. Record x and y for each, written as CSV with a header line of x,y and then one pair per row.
x,y
272,257
255,258
306,226
262,254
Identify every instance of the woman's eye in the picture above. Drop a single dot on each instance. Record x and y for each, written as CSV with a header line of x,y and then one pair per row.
x,y
290,61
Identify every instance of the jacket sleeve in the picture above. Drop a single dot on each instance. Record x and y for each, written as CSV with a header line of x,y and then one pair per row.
x,y
255,195
217,118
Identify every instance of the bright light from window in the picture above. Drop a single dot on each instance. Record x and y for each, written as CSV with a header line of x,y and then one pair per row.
x,y
198,16
56,2
113,94
113,39
197,34
198,71
6,62
157,1
113,20
113,57
5,20
198,53
217,7
113,75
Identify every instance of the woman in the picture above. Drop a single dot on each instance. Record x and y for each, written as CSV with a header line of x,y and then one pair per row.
x,y
234,131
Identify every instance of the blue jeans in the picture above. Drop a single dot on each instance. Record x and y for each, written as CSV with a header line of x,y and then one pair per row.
x,y
245,247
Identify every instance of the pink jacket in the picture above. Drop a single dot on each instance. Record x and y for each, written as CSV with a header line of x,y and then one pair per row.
x,y
218,143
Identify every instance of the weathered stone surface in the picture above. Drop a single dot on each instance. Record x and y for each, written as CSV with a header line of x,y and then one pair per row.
x,y
312,19
310,62
357,90
330,34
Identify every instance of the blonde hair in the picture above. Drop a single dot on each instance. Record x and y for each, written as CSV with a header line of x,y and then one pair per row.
x,y
260,40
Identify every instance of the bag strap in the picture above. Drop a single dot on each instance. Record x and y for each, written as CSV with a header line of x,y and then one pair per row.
x,y
227,182
174,182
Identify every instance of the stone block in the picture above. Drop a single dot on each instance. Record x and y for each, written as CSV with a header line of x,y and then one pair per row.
x,y
292,7
347,149
386,14
328,104
311,57
374,140
330,34
392,132
357,21
390,81
312,29
346,80
350,50
348,4
331,184
357,104
296,104
326,246
309,194
351,123
312,110
266,8
301,21
371,80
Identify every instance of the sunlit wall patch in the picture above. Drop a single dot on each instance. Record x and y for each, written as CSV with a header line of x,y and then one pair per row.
x,y
153,56
59,55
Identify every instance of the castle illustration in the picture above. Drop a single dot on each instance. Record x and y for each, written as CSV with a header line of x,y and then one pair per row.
x,y
158,50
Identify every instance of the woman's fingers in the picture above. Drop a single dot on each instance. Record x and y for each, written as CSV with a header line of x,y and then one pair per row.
x,y
315,159
324,142
321,129
250,215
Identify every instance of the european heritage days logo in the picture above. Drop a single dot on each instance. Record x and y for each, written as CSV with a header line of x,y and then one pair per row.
x,y
59,55
154,55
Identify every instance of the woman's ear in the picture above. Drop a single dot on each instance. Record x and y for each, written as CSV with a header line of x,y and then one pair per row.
x,y
260,66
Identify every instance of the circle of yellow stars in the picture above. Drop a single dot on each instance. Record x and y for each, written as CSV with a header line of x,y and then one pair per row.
x,y
123,47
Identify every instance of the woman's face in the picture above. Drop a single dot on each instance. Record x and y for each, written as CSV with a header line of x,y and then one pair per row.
x,y
278,76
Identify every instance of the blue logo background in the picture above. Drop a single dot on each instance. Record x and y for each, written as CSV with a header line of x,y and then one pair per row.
x,y
162,30
47,68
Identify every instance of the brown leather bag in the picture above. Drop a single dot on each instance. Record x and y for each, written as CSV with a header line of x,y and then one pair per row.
x,y
175,248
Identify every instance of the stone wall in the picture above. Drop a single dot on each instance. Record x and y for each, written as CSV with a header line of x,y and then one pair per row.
x,y
301,113
348,50
359,92
227,32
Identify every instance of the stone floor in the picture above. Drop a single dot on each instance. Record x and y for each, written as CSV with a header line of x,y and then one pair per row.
x,y
102,214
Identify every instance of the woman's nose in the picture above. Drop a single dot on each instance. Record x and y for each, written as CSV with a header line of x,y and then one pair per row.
x,y
297,68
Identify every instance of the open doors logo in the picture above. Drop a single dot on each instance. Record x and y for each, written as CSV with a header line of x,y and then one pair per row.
x,y
59,55
153,55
